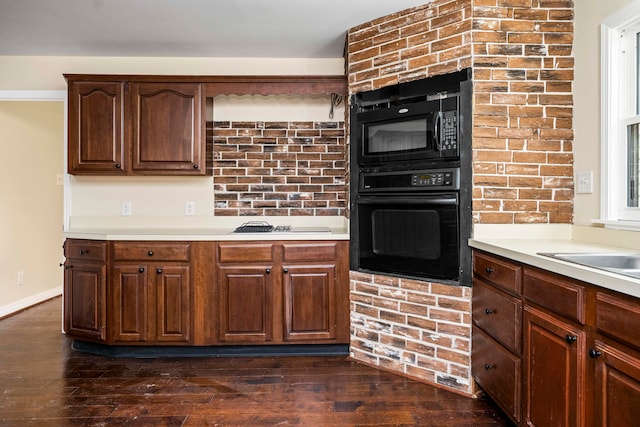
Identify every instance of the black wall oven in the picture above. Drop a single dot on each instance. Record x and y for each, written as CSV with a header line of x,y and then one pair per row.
x,y
410,179
412,230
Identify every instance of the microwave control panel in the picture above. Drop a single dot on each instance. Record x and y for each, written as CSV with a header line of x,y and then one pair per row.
x,y
449,134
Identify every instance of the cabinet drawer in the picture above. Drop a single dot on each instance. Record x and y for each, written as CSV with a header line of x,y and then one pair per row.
x,y
498,372
245,252
619,318
88,250
555,293
498,314
151,251
498,271
310,251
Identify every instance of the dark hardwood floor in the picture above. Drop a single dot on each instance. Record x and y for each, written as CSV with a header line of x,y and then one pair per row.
x,y
45,383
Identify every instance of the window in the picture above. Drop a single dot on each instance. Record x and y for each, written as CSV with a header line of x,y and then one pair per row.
x,y
621,117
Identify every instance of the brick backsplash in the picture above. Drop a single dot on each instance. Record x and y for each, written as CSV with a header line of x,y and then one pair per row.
x,y
520,53
278,168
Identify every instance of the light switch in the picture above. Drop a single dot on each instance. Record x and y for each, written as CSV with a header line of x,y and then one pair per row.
x,y
584,182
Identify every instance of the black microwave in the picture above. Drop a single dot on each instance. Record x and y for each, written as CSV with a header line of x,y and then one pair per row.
x,y
413,131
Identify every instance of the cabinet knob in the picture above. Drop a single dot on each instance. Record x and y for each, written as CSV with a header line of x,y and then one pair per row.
x,y
141,270
195,166
489,270
286,270
150,253
487,366
118,166
489,311
268,271
159,270
571,338
84,251
594,354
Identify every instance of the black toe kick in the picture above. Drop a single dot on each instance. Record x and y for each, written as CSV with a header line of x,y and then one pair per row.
x,y
211,351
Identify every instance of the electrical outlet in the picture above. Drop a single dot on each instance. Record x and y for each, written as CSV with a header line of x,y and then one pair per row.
x,y
59,179
190,208
127,208
20,278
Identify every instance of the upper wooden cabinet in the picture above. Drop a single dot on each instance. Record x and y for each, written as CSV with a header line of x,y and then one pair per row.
x,y
96,128
156,125
136,128
168,128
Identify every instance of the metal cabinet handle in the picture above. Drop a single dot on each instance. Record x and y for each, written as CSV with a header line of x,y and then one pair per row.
x,y
118,165
594,354
488,366
489,270
196,166
268,271
489,311
286,270
159,270
150,253
141,270
84,251
571,338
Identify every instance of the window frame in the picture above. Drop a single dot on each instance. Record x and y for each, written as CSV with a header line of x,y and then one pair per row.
x,y
619,71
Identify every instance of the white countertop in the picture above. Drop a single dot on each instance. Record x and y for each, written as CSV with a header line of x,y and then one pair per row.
x,y
526,251
204,229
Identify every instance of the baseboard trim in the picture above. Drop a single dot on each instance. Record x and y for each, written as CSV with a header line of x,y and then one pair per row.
x,y
14,307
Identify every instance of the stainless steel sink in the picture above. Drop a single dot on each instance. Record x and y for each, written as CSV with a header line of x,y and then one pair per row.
x,y
626,263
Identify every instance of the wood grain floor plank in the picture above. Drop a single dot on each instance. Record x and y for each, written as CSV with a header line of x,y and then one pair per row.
x,y
43,382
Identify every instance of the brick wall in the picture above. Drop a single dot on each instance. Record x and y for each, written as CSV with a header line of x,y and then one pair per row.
x,y
278,168
417,328
521,55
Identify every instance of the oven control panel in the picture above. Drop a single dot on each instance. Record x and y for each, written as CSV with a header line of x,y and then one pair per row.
x,y
432,179
425,180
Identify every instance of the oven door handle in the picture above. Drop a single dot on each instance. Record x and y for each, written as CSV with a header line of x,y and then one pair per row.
x,y
433,200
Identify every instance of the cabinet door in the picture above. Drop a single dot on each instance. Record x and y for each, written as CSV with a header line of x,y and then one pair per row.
x,y
96,134
617,392
85,300
309,301
554,353
173,303
246,303
168,128
129,303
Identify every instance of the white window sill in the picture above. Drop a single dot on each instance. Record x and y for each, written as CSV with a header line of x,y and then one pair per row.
x,y
618,225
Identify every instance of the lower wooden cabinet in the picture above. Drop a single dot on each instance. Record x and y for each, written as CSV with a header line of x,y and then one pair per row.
x,y
309,302
222,293
617,385
580,358
85,300
246,304
498,372
283,292
151,303
554,374
85,290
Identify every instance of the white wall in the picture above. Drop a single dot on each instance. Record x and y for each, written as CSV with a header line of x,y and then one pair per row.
x,y
31,141
586,149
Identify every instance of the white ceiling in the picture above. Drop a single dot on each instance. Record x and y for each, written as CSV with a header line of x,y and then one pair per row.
x,y
194,28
